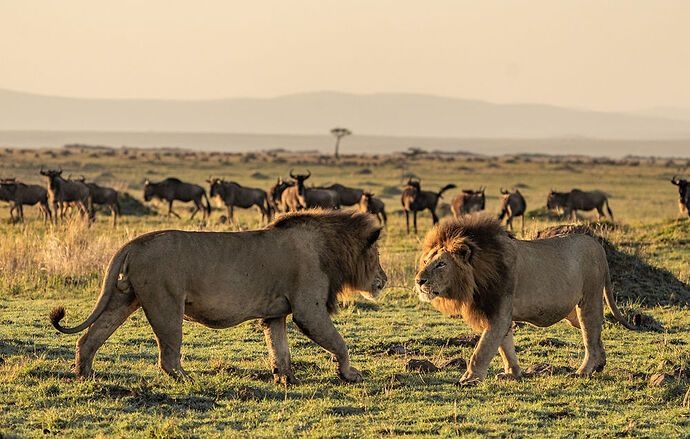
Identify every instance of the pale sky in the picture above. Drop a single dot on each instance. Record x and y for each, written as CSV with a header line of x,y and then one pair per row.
x,y
599,54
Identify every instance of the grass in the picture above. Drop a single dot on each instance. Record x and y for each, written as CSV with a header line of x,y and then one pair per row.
x,y
232,393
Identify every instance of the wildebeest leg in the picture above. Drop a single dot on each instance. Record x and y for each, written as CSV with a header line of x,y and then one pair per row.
x,y
58,212
434,218
230,214
197,207
317,325
170,211
600,213
414,219
511,369
275,332
522,223
20,209
113,211
590,313
119,308
407,221
168,330
509,222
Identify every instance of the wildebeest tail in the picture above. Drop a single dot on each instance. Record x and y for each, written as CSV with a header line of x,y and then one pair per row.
x,y
611,302
112,281
269,209
608,209
445,188
208,204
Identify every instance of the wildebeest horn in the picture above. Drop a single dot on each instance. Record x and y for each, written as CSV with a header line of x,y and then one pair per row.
x,y
675,180
504,192
292,175
308,174
42,171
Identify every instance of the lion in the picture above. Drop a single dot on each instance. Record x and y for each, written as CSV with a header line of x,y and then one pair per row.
x,y
472,267
298,265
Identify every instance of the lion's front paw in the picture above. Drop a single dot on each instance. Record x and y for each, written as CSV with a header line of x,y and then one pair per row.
x,y
350,375
286,380
507,376
469,380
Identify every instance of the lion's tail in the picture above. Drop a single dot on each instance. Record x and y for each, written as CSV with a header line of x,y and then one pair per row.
x,y
112,281
611,302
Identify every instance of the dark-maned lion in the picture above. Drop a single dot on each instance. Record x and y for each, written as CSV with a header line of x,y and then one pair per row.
x,y
473,268
297,265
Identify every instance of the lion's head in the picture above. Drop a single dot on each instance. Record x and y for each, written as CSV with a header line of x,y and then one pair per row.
x,y
348,250
462,267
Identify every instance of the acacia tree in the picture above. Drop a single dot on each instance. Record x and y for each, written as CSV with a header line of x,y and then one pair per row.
x,y
339,133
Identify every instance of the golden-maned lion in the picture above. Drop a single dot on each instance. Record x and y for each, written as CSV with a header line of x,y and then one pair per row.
x,y
473,268
298,264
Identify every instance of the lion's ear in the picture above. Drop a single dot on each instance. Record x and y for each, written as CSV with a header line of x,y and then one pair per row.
x,y
372,238
462,251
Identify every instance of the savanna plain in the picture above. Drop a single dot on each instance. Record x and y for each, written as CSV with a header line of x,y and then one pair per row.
x,y
232,394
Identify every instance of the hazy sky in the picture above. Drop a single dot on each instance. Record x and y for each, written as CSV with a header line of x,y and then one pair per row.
x,y
608,55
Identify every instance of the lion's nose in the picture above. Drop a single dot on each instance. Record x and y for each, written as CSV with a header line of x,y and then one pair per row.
x,y
421,281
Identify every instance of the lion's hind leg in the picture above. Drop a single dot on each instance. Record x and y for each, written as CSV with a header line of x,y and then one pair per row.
x,y
168,329
510,364
590,313
316,324
278,350
119,308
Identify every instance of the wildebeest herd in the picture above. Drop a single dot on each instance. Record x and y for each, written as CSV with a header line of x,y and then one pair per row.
x,y
301,262
289,196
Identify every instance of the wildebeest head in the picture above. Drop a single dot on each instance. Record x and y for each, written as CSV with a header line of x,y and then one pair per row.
x,y
365,200
53,176
556,200
415,184
215,184
8,187
299,179
148,190
682,185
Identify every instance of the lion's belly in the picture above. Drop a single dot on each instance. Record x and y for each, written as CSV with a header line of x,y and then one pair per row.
x,y
545,294
216,315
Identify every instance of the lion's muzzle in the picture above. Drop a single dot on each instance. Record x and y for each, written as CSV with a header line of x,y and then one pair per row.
x,y
423,290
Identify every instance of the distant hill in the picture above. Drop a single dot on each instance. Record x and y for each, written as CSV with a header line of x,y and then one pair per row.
x,y
316,113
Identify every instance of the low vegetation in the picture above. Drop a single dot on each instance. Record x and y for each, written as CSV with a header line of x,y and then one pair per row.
x,y
232,391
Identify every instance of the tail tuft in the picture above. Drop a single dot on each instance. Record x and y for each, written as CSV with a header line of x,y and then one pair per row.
x,y
57,314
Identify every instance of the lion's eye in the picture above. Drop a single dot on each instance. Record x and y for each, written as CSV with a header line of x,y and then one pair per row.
x,y
440,264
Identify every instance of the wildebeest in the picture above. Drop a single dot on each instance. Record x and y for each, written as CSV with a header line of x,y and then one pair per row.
x,y
347,196
469,201
683,193
299,196
275,194
576,200
19,194
414,199
172,189
67,191
368,203
513,204
104,196
235,195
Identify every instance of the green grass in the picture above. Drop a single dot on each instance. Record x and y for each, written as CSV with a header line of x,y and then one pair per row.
x,y
232,393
